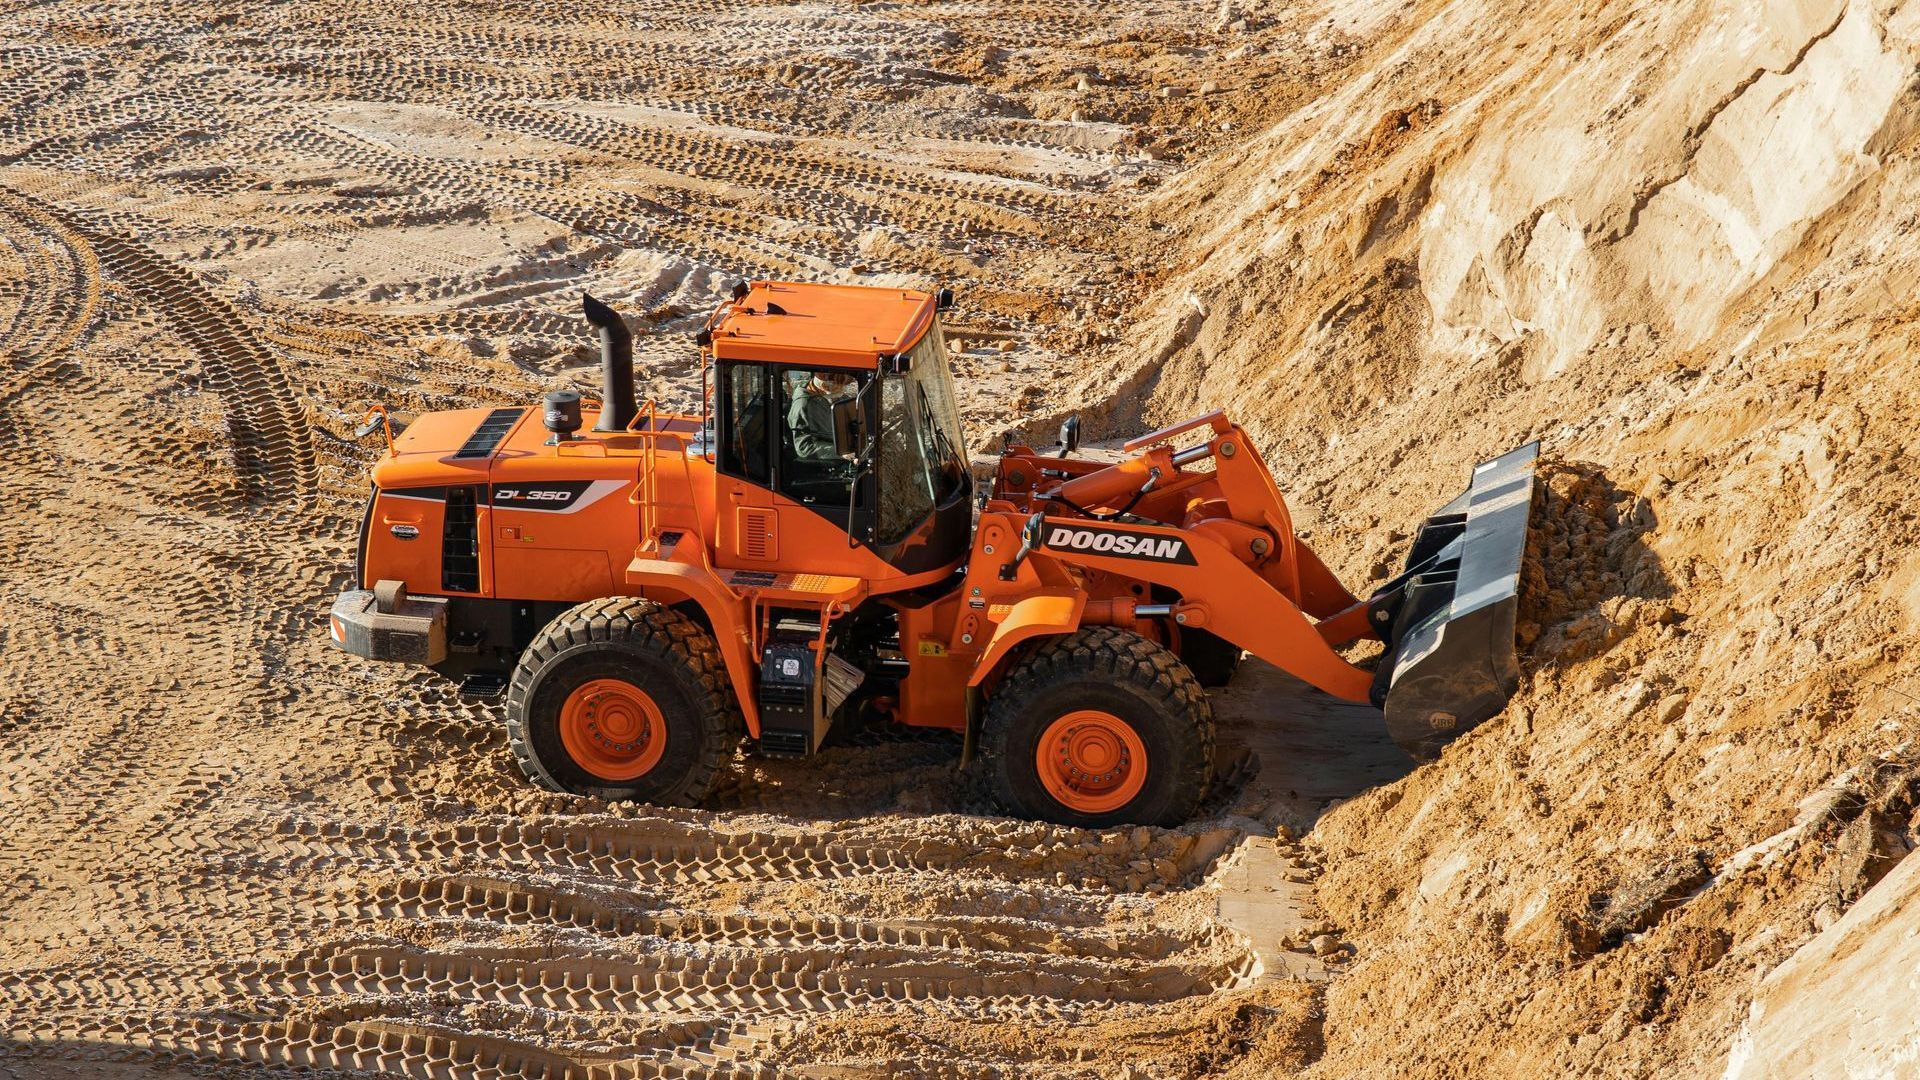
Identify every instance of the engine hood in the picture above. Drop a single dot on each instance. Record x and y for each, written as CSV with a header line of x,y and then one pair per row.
x,y
453,447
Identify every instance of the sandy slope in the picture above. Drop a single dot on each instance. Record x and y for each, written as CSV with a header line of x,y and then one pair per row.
x,y
1672,241
224,231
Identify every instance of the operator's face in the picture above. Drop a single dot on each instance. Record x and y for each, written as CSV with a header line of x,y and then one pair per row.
x,y
832,384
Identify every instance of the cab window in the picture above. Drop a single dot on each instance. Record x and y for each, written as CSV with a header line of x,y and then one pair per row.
x,y
923,461
814,467
745,419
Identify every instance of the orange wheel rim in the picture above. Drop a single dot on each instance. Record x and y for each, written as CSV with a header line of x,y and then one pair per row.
x,y
612,729
1093,762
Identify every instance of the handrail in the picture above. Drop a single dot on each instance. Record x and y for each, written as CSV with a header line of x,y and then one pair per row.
x,y
646,494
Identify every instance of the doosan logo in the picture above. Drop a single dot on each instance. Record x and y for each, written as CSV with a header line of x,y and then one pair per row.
x,y
1124,544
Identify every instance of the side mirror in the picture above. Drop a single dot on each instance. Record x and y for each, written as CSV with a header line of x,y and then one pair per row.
x,y
1070,436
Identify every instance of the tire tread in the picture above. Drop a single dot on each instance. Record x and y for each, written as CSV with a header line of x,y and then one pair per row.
x,y
1112,655
648,625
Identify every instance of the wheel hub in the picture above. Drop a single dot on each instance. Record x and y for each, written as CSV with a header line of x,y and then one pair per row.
x,y
612,729
1092,761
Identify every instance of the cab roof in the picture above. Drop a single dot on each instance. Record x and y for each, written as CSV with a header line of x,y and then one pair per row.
x,y
821,325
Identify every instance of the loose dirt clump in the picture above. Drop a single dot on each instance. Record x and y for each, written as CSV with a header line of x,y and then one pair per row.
x,y
1585,544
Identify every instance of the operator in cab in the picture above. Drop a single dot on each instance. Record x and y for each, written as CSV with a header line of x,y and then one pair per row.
x,y
810,418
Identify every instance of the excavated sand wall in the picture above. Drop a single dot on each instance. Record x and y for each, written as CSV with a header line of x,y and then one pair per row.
x,y
1674,242
1579,230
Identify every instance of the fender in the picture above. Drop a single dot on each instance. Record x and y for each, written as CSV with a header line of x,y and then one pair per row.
x,y
1035,616
671,578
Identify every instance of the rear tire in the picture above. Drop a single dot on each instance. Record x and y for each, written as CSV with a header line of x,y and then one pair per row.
x,y
622,698
1099,727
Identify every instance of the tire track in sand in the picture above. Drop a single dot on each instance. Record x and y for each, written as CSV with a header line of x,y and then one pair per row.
x,y
270,430
57,289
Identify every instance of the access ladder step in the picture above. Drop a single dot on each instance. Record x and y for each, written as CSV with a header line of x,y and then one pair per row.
x,y
483,685
788,743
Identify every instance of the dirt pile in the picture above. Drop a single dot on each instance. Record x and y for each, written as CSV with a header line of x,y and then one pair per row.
x,y
1668,241
1582,550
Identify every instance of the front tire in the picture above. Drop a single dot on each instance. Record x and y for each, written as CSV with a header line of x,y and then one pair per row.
x,y
622,698
1100,727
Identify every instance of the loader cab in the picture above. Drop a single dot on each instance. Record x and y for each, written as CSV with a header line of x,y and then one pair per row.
x,y
800,432
838,435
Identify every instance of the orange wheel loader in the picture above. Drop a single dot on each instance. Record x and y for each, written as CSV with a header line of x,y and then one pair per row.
x,y
814,548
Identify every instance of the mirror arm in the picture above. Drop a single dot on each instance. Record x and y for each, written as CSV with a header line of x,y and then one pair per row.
x,y
1029,539
368,425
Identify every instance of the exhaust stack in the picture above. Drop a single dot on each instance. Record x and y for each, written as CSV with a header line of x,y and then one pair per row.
x,y
616,366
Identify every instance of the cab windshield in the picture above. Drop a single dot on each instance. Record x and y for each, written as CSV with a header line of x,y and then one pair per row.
x,y
923,459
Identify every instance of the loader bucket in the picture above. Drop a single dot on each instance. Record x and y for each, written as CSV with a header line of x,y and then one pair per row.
x,y
1451,661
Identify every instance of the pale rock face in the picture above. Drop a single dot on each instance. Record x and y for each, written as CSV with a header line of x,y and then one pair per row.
x,y
1843,1004
1773,160
1557,225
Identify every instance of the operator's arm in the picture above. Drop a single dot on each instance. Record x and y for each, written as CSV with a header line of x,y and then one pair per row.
x,y
812,422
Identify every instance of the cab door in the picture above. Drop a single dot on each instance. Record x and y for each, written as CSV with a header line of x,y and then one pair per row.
x,y
747,524
786,487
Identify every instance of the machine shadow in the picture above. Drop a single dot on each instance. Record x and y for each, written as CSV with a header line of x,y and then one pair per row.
x,y
1307,750
1285,752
